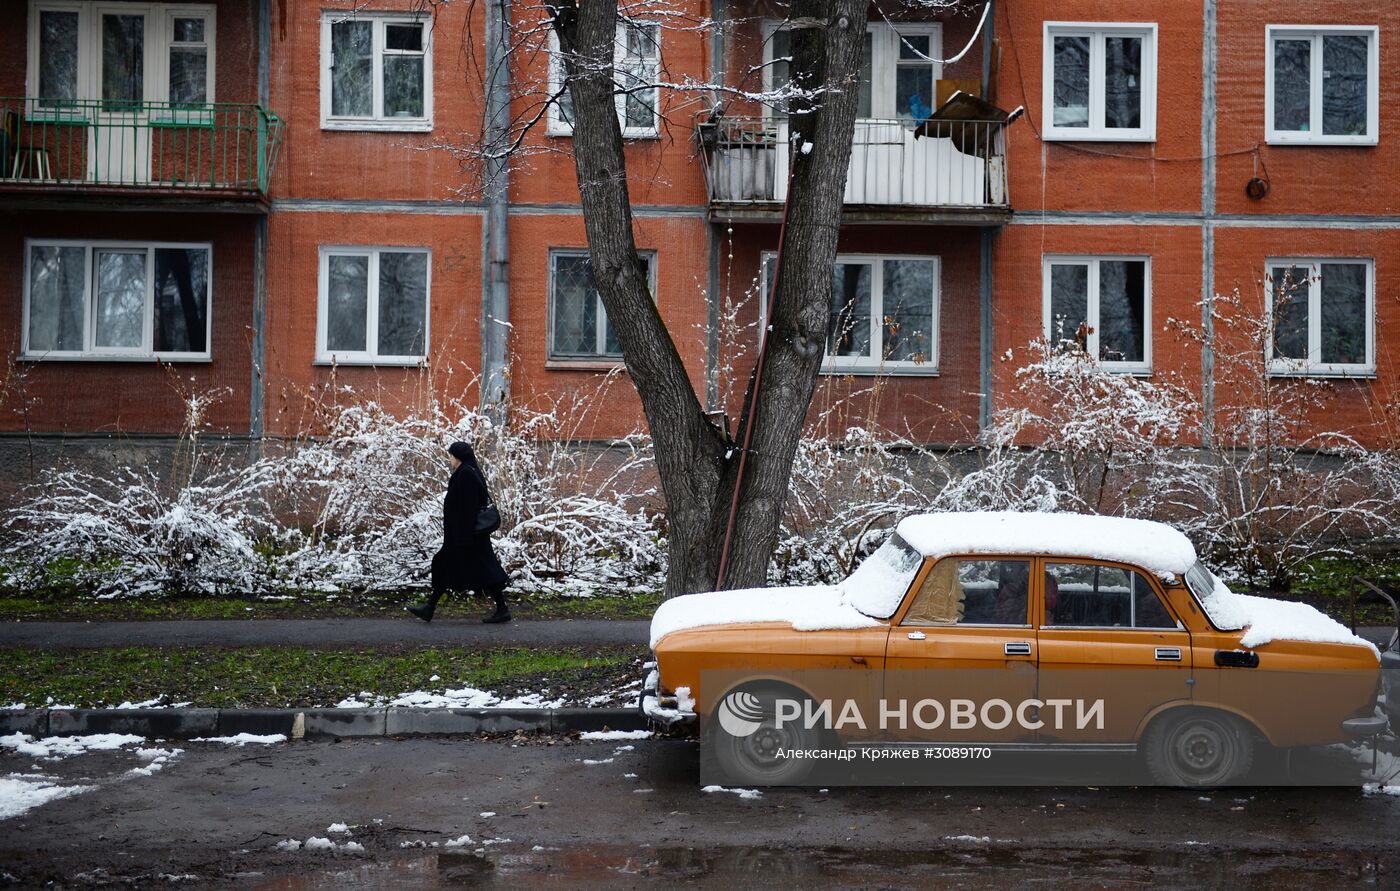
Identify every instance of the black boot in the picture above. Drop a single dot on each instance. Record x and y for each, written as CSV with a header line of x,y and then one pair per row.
x,y
426,609
501,614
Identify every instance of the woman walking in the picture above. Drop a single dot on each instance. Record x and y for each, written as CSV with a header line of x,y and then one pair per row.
x,y
466,561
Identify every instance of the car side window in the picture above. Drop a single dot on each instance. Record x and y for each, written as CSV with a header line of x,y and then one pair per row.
x,y
1096,595
996,592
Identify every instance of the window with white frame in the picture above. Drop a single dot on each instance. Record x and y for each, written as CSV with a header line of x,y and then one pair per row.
x,y
1100,81
376,72
883,315
899,68
578,324
123,54
636,64
1101,306
1322,84
116,300
373,306
1322,314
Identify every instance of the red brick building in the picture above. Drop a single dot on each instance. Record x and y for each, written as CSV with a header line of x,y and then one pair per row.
x,y
257,198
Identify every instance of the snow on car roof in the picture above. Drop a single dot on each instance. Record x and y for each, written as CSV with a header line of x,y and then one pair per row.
x,y
1155,547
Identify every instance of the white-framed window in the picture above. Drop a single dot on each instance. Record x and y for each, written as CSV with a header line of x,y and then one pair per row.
x,y
636,64
883,316
373,305
1102,306
120,53
1322,84
1100,81
376,71
899,71
1322,313
578,324
116,300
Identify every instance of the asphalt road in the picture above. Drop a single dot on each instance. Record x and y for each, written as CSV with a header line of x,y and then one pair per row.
x,y
215,815
322,633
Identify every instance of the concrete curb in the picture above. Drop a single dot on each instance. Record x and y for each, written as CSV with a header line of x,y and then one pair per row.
x,y
315,723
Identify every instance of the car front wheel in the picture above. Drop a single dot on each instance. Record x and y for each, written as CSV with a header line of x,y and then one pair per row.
x,y
1198,749
750,748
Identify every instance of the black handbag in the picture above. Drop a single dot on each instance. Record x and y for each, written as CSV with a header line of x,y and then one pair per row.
x,y
488,520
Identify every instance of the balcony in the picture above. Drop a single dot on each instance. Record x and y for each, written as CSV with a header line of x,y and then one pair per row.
x,y
942,171
136,155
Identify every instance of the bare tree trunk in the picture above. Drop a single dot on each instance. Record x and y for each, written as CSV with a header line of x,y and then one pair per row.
x,y
695,460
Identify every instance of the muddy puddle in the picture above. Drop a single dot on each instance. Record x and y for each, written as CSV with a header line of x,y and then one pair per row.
x,y
973,863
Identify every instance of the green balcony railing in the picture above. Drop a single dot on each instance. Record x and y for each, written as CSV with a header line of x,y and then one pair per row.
x,y
213,147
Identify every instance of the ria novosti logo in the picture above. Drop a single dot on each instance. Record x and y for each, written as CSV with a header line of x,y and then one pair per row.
x,y
740,713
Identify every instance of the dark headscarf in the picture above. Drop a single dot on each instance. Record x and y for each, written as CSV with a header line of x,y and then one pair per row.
x,y
463,452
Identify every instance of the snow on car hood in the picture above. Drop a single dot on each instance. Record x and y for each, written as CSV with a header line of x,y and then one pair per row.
x,y
1264,619
808,608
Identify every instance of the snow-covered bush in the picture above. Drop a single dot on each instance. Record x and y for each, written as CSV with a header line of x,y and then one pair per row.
x,y
1275,487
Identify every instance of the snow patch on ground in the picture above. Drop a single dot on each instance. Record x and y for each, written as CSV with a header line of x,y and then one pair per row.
x,y
975,839
616,734
338,828
806,608
460,841
244,739
742,793
56,747
465,697
597,761
318,843
1380,789
20,793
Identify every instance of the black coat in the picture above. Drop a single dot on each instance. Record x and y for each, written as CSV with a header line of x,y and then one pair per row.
x,y
466,561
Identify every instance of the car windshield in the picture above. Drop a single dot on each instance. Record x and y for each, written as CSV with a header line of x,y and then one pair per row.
x,y
880,582
1215,597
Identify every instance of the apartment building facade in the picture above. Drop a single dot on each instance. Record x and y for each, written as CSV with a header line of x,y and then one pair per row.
x,y
269,201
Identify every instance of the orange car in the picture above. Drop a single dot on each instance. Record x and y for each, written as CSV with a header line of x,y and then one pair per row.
x,y
1060,630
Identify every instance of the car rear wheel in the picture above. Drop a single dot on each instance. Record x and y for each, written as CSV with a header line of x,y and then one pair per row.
x,y
748,742
1198,748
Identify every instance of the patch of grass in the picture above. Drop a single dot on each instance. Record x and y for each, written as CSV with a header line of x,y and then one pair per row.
x,y
288,676
1327,583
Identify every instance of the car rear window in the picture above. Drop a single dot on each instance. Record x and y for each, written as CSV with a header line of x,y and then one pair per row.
x,y
879,584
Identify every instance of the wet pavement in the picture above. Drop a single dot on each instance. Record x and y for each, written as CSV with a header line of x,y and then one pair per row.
x,y
561,813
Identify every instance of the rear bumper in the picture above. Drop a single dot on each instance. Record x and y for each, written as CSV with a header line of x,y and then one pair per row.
x,y
670,710
1370,725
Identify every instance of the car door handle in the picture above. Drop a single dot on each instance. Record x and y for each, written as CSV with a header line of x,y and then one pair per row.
x,y
859,660
917,635
1018,648
1169,654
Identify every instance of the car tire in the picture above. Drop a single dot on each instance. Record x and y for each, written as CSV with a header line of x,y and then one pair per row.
x,y
750,758
1198,749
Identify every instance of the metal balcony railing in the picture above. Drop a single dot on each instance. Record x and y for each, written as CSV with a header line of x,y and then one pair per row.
x,y
208,147
938,164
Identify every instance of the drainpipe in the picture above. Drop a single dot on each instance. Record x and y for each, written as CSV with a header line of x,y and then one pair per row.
x,y
495,243
1209,56
712,320
258,385
985,340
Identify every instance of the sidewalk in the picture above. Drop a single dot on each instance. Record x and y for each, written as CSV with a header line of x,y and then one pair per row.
x,y
354,632
323,633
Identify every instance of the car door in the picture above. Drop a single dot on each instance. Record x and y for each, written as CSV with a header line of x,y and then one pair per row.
x,y
963,636
1105,634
